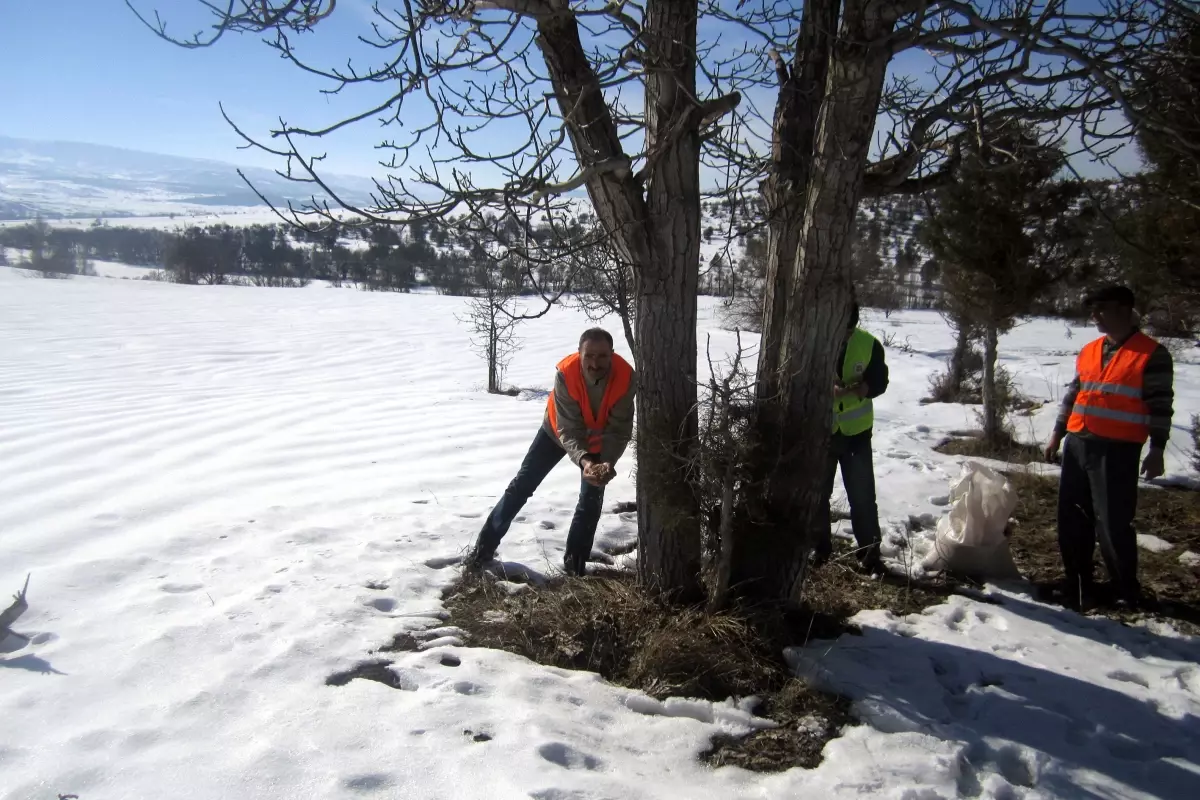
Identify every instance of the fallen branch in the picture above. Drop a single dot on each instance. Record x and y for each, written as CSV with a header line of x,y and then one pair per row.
x,y
14,612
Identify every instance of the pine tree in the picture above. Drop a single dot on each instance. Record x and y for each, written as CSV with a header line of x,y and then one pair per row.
x,y
1000,231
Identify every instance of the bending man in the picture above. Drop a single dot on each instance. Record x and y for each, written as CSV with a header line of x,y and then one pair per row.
x,y
589,419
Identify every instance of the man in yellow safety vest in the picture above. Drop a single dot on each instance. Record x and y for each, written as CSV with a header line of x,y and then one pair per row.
x,y
863,377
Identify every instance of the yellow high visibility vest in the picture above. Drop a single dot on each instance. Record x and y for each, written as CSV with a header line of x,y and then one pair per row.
x,y
854,415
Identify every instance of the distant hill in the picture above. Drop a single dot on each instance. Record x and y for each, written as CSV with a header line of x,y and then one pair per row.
x,y
70,179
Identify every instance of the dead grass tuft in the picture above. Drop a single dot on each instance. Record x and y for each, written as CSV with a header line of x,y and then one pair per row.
x,y
610,626
807,720
1009,449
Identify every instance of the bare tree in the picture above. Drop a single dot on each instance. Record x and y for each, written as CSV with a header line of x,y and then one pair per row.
x,y
493,320
631,117
605,284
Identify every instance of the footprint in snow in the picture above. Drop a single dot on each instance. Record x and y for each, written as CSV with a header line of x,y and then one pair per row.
x,y
1014,766
368,783
385,604
468,688
955,619
180,588
441,562
1188,679
1125,676
997,622
568,757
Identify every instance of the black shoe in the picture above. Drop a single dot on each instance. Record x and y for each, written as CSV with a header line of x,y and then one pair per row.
x,y
575,564
478,558
873,564
1081,597
819,558
1133,601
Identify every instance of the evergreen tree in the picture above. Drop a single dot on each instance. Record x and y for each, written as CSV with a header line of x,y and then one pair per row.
x,y
999,231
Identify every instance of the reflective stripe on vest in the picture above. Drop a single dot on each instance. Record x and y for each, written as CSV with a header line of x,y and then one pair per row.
x,y
853,415
1108,413
1111,388
1109,403
619,378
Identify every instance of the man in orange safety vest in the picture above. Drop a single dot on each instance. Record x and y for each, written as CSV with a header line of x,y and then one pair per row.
x,y
1121,397
589,419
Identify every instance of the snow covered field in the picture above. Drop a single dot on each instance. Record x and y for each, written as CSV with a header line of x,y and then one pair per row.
x,y
227,494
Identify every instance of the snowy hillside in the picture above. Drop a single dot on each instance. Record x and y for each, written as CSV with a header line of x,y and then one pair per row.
x,y
226,494
68,179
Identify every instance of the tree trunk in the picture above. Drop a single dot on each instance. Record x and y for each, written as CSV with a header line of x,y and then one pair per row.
x,y
958,361
993,414
804,329
656,230
667,288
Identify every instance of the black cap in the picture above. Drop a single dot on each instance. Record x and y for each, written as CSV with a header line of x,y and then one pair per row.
x,y
1121,295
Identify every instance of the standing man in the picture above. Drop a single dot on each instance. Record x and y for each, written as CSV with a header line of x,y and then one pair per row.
x,y
1121,396
863,377
589,419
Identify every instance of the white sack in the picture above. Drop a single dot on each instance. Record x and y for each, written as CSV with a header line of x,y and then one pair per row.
x,y
971,538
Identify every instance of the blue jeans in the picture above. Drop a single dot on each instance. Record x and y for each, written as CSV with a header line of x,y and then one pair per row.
x,y
544,454
853,454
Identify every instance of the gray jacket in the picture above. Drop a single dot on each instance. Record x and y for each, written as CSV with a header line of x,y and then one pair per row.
x,y
572,433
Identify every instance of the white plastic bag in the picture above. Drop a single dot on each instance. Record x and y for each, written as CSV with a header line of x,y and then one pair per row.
x,y
971,538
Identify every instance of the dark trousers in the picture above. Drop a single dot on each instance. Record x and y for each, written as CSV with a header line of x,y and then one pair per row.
x,y
853,455
544,454
1097,497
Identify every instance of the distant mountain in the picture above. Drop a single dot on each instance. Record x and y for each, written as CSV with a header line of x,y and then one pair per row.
x,y
70,179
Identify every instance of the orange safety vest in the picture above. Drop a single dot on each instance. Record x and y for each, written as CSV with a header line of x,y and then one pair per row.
x,y
619,378
1109,403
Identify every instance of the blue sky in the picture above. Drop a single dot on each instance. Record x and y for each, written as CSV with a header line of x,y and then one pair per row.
x,y
88,70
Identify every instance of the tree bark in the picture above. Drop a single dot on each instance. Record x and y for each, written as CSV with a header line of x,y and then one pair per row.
x,y
796,391
958,361
656,230
668,511
993,414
